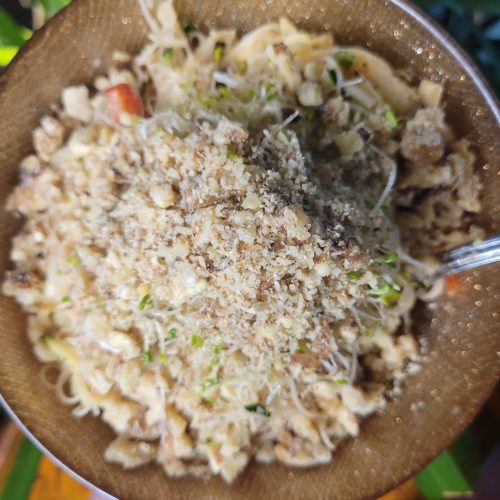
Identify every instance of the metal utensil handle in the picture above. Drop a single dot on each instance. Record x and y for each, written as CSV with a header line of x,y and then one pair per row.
x,y
470,256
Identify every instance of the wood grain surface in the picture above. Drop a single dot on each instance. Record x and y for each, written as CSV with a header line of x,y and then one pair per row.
x,y
463,362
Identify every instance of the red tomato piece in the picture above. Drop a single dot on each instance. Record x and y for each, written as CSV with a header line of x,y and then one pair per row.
x,y
122,99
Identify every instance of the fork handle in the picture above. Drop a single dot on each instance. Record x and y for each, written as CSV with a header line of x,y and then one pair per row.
x,y
469,256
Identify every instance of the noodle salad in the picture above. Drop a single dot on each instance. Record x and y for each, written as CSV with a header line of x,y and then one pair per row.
x,y
225,237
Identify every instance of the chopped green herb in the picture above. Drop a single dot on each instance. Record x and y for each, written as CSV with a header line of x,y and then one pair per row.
x,y
342,381
225,92
249,95
303,346
145,301
162,357
215,361
391,118
219,51
352,114
390,259
270,92
188,28
345,59
197,341
217,348
168,55
66,299
159,130
332,74
387,294
241,67
74,261
354,276
211,382
47,338
147,357
208,101
171,334
259,409
231,153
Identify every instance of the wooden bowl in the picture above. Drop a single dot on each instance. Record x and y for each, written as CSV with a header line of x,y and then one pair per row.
x,y
463,362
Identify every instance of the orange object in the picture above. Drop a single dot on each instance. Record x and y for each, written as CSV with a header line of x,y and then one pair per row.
x,y
451,284
122,99
406,491
54,484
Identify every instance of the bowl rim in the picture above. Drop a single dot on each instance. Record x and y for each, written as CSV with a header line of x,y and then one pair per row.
x,y
436,32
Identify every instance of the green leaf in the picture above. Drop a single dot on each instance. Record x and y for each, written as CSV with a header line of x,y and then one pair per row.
x,y
7,53
387,294
145,301
390,259
23,472
270,91
232,154
465,452
171,334
219,51
354,275
241,67
303,347
391,118
197,341
52,7
74,261
208,101
345,59
211,382
225,92
332,75
259,409
248,95
441,478
168,55
147,357
10,32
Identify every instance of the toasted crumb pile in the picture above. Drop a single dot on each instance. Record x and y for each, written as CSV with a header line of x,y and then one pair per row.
x,y
225,278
